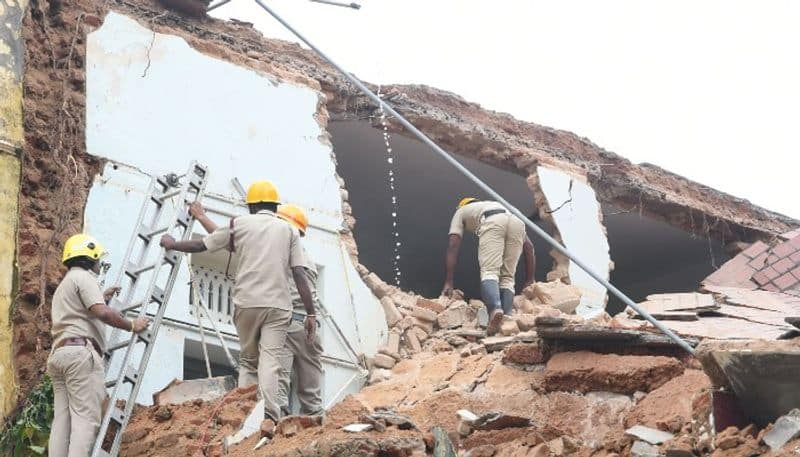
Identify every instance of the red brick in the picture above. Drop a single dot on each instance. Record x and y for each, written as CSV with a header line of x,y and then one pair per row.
x,y
761,279
783,265
786,281
759,261
770,272
755,249
784,249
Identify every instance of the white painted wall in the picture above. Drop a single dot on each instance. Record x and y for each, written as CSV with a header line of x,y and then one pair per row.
x,y
189,106
578,222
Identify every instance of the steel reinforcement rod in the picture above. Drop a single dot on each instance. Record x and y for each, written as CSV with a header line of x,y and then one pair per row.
x,y
445,155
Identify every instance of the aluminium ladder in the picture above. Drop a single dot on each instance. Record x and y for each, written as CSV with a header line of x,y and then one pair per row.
x,y
125,374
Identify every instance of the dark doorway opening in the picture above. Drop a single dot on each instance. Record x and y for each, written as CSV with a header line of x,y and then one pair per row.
x,y
428,189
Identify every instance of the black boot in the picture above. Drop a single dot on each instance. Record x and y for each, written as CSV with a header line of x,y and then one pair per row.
x,y
490,291
507,299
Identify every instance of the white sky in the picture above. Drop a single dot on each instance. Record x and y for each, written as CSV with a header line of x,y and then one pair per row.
x,y
709,90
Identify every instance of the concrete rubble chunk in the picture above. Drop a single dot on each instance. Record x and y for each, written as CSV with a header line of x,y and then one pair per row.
x,y
649,435
383,361
357,428
642,449
466,415
525,322
527,337
420,333
391,312
251,426
563,297
424,314
412,341
499,421
406,323
497,343
456,315
426,326
393,342
433,305
523,354
585,371
404,300
391,417
377,286
455,340
785,429
206,389
442,447
509,327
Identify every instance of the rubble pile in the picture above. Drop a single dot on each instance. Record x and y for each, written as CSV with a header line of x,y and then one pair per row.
x,y
465,394
418,323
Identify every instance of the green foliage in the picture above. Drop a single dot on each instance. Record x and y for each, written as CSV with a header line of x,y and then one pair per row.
x,y
26,434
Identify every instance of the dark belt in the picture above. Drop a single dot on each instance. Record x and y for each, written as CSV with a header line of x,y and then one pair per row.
x,y
79,341
492,212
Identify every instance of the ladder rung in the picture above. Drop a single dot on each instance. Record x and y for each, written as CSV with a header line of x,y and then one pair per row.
x,y
131,375
136,270
148,233
131,307
167,195
157,295
146,336
117,346
117,415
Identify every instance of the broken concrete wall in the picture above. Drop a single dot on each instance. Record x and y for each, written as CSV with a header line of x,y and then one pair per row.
x,y
570,203
144,115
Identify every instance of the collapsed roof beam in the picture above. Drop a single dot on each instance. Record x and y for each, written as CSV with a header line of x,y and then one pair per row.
x,y
445,155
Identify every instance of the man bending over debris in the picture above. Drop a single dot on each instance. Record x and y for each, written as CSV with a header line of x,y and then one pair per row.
x,y
303,356
268,249
501,241
76,364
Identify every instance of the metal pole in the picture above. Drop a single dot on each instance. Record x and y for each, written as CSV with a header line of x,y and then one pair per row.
x,y
422,137
217,5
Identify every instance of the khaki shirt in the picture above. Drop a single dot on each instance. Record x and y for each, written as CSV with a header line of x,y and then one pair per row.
x,y
469,216
77,292
311,276
267,247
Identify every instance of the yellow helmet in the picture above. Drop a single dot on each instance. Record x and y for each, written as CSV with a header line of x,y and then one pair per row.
x,y
262,192
466,200
82,245
294,215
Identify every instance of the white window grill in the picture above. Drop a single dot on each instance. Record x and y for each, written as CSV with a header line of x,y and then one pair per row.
x,y
214,290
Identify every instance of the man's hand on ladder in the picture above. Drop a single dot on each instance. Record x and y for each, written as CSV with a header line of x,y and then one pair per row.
x,y
140,324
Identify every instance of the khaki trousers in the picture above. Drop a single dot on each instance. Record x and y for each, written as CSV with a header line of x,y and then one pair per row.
x,y
262,336
302,364
78,375
500,240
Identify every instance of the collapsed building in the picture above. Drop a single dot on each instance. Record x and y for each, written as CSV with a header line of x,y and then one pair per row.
x,y
112,92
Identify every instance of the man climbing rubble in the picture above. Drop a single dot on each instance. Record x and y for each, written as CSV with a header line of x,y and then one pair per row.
x,y
303,356
268,249
76,365
501,241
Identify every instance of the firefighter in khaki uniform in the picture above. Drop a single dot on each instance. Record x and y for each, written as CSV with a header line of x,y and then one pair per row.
x,y
303,357
268,249
76,365
501,241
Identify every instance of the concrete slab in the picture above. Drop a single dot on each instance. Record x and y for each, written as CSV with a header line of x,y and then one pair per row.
x,y
649,435
206,389
762,374
786,428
